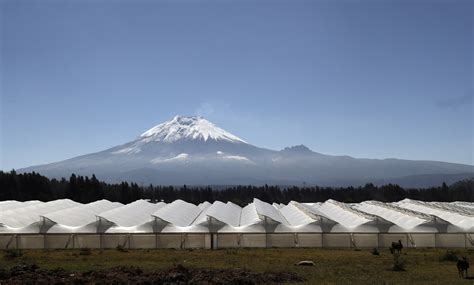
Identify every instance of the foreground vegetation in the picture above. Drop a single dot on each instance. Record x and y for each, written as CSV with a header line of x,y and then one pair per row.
x,y
341,266
33,186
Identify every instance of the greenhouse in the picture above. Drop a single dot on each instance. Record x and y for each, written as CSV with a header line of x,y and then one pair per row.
x,y
179,224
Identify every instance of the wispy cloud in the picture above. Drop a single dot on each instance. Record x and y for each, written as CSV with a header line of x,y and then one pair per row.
x,y
216,110
456,102
205,109
224,113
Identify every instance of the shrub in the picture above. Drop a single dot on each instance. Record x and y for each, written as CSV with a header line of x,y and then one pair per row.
x,y
230,251
375,251
85,251
22,268
13,253
449,255
398,263
4,273
121,248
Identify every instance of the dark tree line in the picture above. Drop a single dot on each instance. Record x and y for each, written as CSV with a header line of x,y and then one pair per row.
x,y
33,186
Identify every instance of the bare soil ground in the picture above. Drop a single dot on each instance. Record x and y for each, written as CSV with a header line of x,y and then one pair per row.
x,y
233,266
32,274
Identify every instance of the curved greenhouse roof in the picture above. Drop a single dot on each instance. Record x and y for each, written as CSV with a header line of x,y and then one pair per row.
x,y
266,210
405,219
178,213
459,217
406,216
227,213
82,214
133,214
7,205
24,216
295,216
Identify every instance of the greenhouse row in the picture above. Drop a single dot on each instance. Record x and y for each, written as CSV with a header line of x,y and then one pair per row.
x,y
142,224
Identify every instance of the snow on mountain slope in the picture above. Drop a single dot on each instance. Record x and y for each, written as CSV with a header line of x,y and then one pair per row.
x,y
193,150
179,157
180,130
188,128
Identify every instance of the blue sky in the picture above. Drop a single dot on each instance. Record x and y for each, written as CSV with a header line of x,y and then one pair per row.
x,y
375,79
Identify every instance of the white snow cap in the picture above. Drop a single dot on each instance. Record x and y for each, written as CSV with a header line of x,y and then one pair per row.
x,y
188,128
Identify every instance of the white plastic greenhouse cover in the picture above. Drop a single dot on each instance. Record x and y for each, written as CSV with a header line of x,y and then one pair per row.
x,y
266,210
343,214
295,216
461,220
468,205
226,213
278,206
25,216
82,214
8,205
406,216
204,205
133,214
178,213
249,215
450,207
403,218
313,208
202,217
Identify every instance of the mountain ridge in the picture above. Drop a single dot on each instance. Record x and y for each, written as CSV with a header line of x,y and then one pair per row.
x,y
192,150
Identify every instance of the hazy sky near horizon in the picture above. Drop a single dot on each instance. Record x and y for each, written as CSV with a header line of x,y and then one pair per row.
x,y
376,79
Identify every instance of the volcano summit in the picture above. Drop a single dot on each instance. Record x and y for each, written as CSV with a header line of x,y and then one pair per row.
x,y
192,150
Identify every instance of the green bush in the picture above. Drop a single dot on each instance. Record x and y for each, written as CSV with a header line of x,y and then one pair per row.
x,y
375,251
13,253
398,263
449,255
231,251
121,248
85,251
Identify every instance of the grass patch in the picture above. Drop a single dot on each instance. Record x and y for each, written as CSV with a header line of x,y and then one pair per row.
x,y
121,248
341,266
398,263
375,251
85,251
449,255
12,253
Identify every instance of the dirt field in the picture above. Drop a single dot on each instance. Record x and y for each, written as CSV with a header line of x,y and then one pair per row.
x,y
333,266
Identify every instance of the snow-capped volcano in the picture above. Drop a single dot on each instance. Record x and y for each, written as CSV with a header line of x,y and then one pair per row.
x,y
188,128
182,134
192,150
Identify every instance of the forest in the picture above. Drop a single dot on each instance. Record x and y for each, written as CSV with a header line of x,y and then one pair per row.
x,y
83,189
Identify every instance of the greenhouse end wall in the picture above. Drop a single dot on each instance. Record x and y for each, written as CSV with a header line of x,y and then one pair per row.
x,y
233,240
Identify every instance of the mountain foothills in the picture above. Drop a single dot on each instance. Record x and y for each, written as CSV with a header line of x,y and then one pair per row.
x,y
193,151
